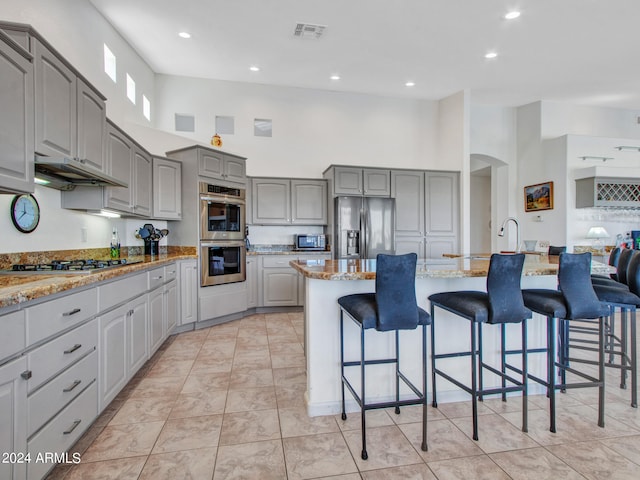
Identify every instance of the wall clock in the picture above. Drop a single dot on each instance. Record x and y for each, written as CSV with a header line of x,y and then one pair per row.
x,y
25,213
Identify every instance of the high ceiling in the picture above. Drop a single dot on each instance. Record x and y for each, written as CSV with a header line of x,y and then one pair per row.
x,y
579,51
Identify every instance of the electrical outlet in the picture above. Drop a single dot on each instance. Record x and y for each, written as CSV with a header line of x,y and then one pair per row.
x,y
84,235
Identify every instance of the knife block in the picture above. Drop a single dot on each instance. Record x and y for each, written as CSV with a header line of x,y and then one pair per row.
x,y
151,247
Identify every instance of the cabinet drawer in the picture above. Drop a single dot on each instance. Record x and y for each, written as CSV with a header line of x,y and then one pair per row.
x,y
61,352
13,331
277,261
170,272
63,431
53,396
120,291
49,318
155,277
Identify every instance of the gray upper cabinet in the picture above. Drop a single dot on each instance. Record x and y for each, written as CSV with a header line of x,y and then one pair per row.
x,y
347,181
167,189
70,115
56,104
16,119
374,182
271,201
141,194
222,166
308,202
92,121
119,158
279,201
129,163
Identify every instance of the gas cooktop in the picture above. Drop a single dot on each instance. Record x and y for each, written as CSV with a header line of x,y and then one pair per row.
x,y
68,266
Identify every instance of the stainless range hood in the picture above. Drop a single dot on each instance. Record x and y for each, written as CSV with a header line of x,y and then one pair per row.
x,y
65,173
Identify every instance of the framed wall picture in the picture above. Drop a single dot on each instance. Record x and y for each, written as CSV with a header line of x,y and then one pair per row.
x,y
538,197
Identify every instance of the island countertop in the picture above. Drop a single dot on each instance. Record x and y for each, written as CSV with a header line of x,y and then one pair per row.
x,y
471,266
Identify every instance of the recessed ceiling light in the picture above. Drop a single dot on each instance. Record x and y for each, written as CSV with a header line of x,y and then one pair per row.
x,y
184,35
511,15
254,68
410,84
491,55
335,77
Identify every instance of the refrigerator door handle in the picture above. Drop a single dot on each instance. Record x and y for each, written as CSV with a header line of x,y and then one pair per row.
x,y
363,234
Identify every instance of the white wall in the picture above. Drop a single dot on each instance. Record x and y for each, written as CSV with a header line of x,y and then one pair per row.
x,y
480,214
312,129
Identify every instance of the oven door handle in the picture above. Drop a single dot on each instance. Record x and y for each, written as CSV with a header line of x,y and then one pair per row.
x,y
228,201
214,243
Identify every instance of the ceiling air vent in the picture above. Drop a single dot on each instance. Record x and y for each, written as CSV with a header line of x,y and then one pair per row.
x,y
309,30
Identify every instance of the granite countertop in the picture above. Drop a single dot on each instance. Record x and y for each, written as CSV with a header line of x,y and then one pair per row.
x,y
472,266
20,287
268,249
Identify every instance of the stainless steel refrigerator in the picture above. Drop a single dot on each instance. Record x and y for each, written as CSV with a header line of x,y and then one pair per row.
x,y
364,227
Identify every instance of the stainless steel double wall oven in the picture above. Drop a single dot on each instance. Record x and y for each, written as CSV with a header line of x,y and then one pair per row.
x,y
222,227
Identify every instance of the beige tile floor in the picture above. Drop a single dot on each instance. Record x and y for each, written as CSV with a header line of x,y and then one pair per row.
x,y
227,403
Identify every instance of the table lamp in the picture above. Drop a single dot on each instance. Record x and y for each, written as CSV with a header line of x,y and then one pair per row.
x,y
598,234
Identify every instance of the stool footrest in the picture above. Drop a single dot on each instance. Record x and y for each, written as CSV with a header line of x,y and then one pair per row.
x,y
381,361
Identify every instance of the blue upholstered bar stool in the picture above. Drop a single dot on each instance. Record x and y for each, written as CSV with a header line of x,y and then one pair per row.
x,y
391,308
623,346
575,299
500,304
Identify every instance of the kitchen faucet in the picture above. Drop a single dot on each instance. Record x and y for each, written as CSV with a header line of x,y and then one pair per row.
x,y
501,233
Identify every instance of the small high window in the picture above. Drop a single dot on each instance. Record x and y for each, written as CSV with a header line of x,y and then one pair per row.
x,y
131,89
146,108
109,63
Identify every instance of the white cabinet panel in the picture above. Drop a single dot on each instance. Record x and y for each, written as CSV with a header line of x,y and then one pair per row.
x,y
13,417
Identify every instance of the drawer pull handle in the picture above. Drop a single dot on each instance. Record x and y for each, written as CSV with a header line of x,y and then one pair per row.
x,y
157,278
74,348
72,427
72,312
72,386
27,374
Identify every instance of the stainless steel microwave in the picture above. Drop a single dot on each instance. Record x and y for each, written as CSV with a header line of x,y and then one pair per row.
x,y
312,241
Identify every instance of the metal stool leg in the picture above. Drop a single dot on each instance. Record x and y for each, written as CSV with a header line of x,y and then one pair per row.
x,y
634,359
397,409
474,387
601,362
344,413
363,411
551,380
424,446
525,410
434,402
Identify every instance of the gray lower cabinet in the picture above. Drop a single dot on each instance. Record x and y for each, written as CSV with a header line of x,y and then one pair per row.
x,y
427,212
252,281
280,201
188,275
279,281
13,417
124,347
16,120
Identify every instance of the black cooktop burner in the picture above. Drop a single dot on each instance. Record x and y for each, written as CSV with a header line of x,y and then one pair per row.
x,y
59,266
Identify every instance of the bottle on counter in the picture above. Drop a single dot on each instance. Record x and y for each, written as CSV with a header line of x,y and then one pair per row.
x,y
115,244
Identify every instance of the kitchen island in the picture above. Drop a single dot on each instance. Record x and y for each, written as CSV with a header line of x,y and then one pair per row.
x,y
328,280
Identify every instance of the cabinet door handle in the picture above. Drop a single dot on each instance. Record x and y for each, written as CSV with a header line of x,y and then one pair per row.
x,y
72,427
74,348
27,374
71,312
72,386
157,278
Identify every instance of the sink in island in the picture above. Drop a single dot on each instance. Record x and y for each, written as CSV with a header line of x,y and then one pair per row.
x,y
327,280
